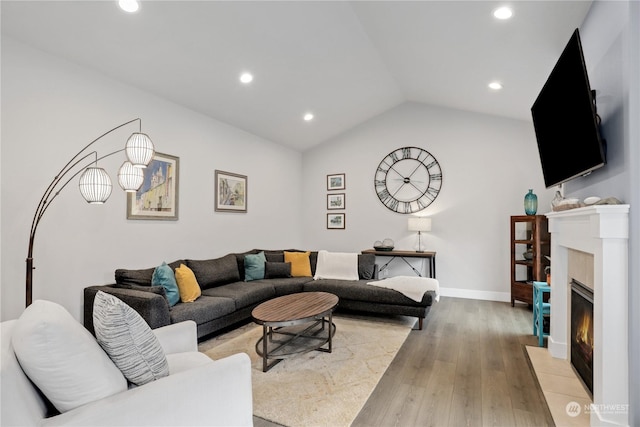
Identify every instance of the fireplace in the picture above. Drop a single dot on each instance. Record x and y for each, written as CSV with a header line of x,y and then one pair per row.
x,y
602,233
582,332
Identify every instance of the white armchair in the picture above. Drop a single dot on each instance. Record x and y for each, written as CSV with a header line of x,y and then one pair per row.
x,y
198,391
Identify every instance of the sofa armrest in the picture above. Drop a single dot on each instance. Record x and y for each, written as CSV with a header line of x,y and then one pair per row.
x,y
178,337
215,394
153,308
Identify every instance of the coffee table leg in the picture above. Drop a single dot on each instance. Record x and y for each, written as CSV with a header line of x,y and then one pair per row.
x,y
264,349
329,329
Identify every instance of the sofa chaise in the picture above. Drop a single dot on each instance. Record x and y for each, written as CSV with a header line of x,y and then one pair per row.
x,y
227,298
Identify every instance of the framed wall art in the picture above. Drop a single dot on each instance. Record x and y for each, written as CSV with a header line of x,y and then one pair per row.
x,y
335,182
335,221
231,192
157,198
336,201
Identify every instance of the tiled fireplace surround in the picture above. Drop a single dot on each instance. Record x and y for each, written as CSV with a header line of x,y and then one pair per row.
x,y
591,245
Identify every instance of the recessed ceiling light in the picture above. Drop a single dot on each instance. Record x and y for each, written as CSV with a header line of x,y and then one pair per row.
x,y
495,85
246,78
308,117
129,5
503,12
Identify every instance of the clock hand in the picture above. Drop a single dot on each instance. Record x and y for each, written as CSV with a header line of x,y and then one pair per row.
x,y
408,180
391,168
399,188
415,170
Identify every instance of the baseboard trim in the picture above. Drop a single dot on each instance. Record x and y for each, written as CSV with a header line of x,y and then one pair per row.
x,y
475,294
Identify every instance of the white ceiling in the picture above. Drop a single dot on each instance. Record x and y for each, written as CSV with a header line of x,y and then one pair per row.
x,y
344,61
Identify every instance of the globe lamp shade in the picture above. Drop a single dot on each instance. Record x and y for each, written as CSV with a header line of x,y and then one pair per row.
x,y
95,185
139,149
130,177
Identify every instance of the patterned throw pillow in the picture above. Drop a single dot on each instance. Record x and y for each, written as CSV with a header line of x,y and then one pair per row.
x,y
254,266
128,340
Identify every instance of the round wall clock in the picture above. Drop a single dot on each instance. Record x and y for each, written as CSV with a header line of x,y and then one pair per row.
x,y
408,180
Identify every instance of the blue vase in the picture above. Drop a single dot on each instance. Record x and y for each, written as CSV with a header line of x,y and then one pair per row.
x,y
530,203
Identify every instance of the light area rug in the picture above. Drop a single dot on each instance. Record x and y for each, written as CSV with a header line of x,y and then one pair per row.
x,y
317,388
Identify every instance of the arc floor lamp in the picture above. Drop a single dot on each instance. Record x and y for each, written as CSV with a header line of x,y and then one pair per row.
x,y
94,183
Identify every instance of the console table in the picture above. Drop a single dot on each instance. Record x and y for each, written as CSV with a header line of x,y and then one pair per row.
x,y
403,255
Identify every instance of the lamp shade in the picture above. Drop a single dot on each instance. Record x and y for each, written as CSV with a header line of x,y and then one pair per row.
x,y
95,185
139,150
130,177
419,223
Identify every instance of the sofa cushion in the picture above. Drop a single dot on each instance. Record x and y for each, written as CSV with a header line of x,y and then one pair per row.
x,y
62,358
203,310
254,266
242,293
337,265
360,291
274,256
21,402
140,277
288,285
215,272
366,266
300,263
158,290
128,340
274,270
164,277
187,284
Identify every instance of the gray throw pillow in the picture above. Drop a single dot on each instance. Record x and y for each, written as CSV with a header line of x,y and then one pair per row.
x,y
128,340
366,266
274,270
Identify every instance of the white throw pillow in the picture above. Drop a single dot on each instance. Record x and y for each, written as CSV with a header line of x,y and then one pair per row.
x,y
336,265
128,340
62,358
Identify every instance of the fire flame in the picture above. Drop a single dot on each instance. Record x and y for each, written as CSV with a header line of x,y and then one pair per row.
x,y
584,332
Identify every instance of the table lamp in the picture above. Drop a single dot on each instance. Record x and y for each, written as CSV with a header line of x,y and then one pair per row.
x,y
419,224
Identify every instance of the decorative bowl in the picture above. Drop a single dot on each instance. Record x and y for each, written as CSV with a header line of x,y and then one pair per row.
x,y
383,248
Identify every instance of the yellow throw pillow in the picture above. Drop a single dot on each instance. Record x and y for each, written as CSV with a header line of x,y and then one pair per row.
x,y
300,264
187,284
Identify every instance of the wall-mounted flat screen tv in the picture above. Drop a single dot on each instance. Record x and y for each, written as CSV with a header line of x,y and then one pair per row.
x,y
565,120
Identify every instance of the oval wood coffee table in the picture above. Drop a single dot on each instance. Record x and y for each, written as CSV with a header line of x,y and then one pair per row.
x,y
294,324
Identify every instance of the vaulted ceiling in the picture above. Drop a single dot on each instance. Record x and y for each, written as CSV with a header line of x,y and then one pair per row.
x,y
345,62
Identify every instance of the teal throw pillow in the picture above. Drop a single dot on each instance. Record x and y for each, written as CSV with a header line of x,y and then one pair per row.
x,y
163,276
254,266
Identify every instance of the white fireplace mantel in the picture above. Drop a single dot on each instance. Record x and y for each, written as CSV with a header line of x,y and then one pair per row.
x,y
602,231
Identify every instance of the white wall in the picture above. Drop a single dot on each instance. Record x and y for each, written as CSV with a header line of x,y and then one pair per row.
x,y
488,165
611,43
50,110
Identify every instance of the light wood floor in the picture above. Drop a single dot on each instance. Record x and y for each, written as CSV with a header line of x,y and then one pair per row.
x,y
467,367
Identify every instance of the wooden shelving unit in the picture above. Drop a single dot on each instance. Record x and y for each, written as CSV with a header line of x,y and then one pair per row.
x,y
528,232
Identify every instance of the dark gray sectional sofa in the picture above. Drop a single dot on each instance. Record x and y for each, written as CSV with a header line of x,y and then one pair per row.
x,y
228,299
